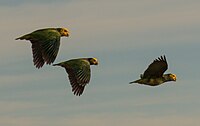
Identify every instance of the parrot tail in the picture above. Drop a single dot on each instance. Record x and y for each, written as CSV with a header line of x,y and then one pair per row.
x,y
57,64
137,81
26,37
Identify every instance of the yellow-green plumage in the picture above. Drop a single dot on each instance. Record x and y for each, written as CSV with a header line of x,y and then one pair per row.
x,y
78,72
45,44
154,76
151,81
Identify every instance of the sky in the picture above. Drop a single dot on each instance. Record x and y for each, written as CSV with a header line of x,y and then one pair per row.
x,y
125,36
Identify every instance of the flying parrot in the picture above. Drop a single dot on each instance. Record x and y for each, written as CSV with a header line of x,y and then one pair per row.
x,y
78,72
154,74
45,44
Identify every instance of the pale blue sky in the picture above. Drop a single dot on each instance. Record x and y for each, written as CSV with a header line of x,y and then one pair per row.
x,y
125,36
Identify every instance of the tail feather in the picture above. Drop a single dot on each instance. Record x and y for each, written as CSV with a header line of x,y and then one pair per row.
x,y
26,37
131,82
58,64
136,81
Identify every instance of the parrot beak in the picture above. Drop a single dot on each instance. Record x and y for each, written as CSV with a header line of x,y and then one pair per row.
x,y
67,34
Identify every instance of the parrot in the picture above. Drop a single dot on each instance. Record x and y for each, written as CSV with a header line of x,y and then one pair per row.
x,y
79,72
154,74
45,44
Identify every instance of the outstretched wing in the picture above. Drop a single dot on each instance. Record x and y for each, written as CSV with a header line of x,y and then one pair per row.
x,y
37,54
79,74
50,47
45,46
157,68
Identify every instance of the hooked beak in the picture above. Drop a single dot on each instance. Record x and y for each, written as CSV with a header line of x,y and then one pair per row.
x,y
67,35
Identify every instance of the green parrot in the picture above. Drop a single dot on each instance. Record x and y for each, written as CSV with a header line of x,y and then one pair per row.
x,y
154,74
78,72
45,44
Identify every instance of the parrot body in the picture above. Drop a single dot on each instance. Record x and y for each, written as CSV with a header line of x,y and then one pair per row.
x,y
79,72
45,44
154,74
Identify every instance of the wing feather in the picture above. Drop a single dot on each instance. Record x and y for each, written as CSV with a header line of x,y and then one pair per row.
x,y
79,75
37,55
45,46
50,48
157,68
